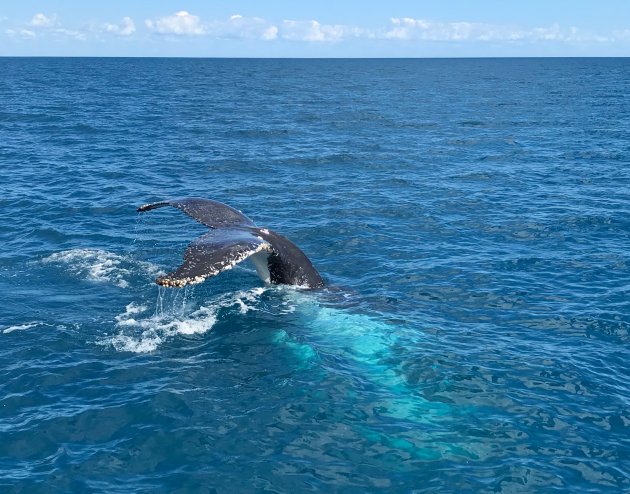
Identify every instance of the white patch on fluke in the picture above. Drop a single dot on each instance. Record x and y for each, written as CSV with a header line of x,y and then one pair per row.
x,y
260,262
228,263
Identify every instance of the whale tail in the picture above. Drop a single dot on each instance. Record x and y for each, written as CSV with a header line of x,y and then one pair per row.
x,y
233,238
213,214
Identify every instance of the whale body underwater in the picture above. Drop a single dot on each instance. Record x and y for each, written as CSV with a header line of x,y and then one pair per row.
x,y
368,347
232,238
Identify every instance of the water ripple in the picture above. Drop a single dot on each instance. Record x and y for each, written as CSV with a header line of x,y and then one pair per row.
x,y
470,217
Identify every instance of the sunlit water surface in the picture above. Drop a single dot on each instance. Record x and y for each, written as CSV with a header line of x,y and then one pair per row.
x,y
471,219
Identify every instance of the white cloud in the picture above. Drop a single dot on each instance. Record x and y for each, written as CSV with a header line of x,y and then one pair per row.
x,y
70,33
21,33
622,35
181,23
47,25
399,29
41,20
235,27
270,33
238,26
126,27
407,28
551,33
42,26
314,31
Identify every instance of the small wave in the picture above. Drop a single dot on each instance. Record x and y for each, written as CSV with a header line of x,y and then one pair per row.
x,y
140,332
246,299
146,334
20,327
102,266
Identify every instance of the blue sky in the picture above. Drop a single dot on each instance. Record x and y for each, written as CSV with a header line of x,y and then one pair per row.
x,y
323,28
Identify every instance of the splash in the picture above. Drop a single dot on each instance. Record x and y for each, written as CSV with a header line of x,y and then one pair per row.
x,y
21,327
142,330
142,333
247,299
101,266
343,344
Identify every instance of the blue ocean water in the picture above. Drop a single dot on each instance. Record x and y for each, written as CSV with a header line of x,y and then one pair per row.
x,y
471,219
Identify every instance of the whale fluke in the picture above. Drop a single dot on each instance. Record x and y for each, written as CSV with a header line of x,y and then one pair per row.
x,y
213,214
233,238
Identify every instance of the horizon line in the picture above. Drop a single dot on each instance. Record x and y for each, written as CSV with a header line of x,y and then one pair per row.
x,y
485,57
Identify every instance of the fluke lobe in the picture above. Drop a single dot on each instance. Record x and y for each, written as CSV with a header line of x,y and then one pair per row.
x,y
232,238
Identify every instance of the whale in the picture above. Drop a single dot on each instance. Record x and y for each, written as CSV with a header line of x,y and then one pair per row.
x,y
233,238
344,349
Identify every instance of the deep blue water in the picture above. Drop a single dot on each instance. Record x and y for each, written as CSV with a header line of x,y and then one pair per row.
x,y
471,219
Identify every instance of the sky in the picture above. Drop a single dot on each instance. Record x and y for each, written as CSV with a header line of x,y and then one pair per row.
x,y
321,28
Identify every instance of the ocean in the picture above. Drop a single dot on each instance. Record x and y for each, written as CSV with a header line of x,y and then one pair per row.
x,y
471,219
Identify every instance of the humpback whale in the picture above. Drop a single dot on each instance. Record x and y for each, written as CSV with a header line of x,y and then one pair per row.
x,y
232,238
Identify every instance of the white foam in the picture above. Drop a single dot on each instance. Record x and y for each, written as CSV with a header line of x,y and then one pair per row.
x,y
245,299
21,327
102,266
144,344
126,319
141,333
139,330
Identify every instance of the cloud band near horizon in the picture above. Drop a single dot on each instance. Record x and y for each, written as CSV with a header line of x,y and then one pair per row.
x,y
404,30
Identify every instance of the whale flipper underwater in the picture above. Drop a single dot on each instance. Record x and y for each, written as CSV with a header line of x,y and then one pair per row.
x,y
232,238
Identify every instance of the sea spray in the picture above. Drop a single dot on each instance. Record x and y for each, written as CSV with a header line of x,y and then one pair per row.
x,y
174,314
102,266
